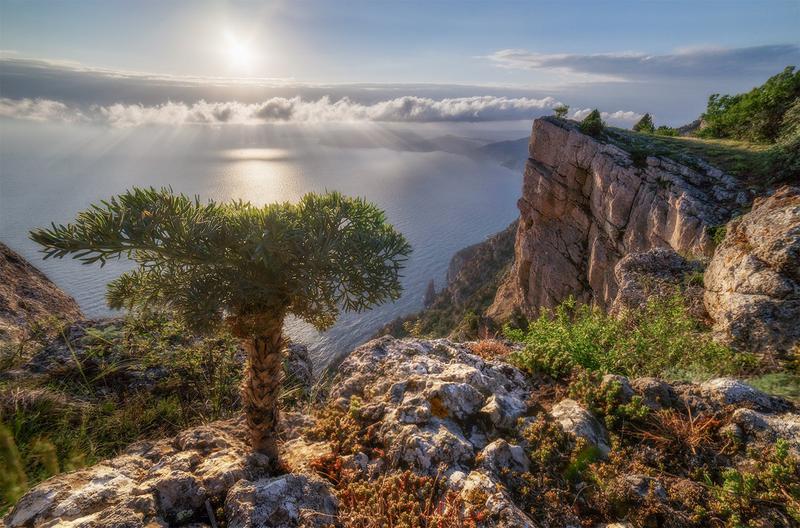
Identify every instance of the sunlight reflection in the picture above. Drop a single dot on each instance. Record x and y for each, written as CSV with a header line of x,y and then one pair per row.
x,y
261,175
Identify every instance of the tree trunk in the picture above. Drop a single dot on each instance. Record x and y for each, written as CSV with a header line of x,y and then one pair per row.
x,y
261,389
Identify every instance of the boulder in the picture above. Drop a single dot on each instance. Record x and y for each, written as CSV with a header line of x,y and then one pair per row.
x,y
288,501
434,404
500,455
729,391
579,423
499,507
656,394
753,281
768,428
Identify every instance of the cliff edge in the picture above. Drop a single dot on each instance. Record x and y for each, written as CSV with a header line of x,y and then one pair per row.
x,y
587,203
27,295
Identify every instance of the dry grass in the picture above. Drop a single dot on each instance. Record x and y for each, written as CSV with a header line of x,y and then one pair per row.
x,y
675,432
490,349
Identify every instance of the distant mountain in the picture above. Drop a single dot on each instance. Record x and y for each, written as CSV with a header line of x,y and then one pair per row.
x,y
510,154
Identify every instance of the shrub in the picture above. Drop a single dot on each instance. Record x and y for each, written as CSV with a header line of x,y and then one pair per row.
x,y
666,131
592,124
772,482
561,111
645,125
757,115
652,341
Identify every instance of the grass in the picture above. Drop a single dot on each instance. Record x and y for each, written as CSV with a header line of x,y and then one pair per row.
x,y
89,409
784,384
748,162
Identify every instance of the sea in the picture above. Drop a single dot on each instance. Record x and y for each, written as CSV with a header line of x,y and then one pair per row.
x,y
444,186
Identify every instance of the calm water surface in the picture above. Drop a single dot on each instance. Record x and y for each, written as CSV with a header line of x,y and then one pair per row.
x,y
440,201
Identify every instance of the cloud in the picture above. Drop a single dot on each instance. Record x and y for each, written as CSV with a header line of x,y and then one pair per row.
x,y
698,63
406,109
620,116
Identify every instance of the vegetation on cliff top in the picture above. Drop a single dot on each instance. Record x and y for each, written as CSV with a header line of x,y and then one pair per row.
x,y
754,136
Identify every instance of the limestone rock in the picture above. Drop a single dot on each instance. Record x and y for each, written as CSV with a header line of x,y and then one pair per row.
x,y
501,455
502,511
656,273
768,428
656,394
151,484
578,422
729,391
288,501
753,281
585,205
28,296
432,401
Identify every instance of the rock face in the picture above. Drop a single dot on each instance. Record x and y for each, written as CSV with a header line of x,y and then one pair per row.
x,y
27,295
659,272
585,205
753,281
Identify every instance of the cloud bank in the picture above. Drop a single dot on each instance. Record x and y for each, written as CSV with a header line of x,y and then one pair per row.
x,y
625,116
407,109
696,63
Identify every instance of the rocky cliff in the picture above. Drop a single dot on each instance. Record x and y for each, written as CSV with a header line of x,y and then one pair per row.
x,y
27,296
586,203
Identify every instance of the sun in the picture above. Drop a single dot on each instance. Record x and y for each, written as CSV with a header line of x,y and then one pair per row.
x,y
239,54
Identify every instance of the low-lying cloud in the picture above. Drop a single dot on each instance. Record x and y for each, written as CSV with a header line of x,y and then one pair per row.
x,y
407,109
695,63
623,116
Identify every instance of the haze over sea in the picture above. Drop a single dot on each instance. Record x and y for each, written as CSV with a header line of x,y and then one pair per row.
x,y
433,181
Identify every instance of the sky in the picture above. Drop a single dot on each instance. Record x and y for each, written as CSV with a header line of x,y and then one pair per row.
x,y
145,62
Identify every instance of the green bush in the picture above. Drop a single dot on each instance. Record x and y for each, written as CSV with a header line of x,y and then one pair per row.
x,y
592,124
561,111
661,339
645,125
666,131
757,115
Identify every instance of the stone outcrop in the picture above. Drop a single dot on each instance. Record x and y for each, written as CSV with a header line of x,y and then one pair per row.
x,y
586,204
658,273
431,407
753,281
28,296
175,482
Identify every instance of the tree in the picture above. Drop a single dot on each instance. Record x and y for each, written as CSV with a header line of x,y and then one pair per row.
x,y
561,111
756,115
645,125
592,124
242,266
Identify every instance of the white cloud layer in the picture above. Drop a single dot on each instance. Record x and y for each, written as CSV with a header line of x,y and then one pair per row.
x,y
407,109
620,116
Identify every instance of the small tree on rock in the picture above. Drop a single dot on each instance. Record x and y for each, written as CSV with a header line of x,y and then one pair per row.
x,y
242,266
592,124
645,125
561,111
